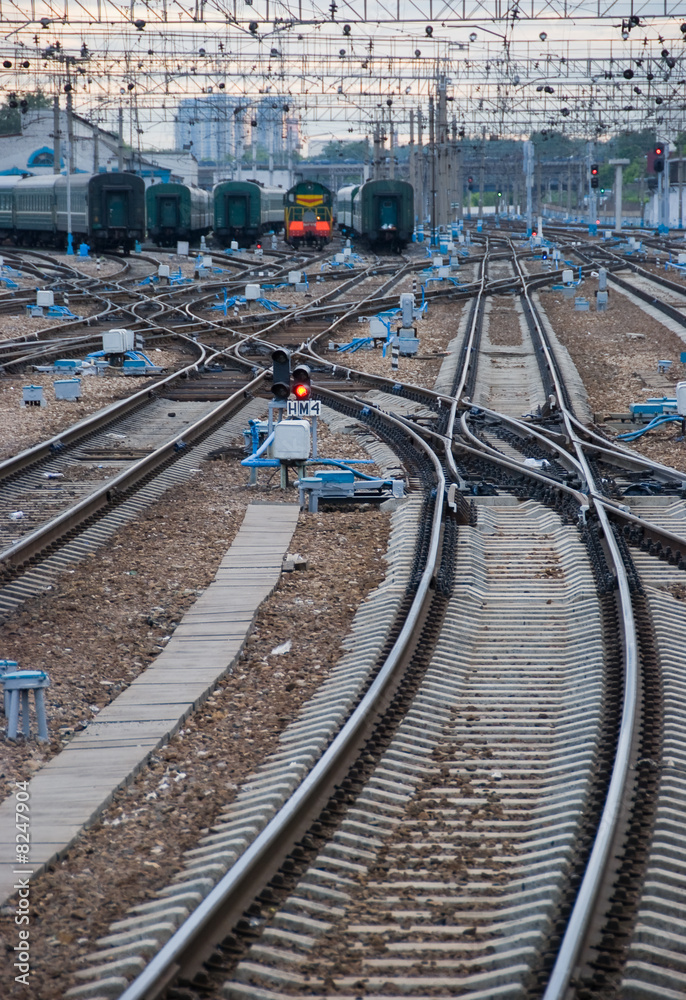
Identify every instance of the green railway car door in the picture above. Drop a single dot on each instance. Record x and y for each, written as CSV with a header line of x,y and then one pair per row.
x,y
236,211
388,213
169,212
117,209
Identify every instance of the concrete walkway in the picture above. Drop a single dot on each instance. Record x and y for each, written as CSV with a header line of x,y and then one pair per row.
x,y
73,788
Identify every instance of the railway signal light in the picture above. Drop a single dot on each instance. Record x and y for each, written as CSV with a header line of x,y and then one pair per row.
x,y
594,175
470,183
281,373
302,384
659,158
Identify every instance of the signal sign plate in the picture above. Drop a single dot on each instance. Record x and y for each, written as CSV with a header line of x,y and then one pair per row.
x,y
304,408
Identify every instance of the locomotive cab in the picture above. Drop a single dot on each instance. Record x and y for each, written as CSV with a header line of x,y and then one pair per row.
x,y
308,214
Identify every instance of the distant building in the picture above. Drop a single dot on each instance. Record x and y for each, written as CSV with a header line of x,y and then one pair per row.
x,y
277,131
95,150
218,128
211,127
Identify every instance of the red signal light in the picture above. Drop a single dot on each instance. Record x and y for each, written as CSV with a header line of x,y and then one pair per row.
x,y
659,150
302,384
301,391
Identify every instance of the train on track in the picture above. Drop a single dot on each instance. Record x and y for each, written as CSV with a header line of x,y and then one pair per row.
x,y
308,214
244,210
177,212
379,212
107,210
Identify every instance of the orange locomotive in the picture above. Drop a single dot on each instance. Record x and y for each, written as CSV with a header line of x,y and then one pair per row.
x,y
308,215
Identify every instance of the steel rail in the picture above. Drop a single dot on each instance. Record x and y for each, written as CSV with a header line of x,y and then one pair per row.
x,y
220,910
258,337
582,910
28,545
471,436
556,447
609,448
89,425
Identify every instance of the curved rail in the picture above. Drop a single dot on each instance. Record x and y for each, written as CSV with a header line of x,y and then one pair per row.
x,y
220,910
577,926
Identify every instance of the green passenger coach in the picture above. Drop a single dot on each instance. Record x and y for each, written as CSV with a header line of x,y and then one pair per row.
x,y
244,210
107,210
177,212
383,213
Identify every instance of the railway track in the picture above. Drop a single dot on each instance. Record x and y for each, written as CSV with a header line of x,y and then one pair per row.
x,y
481,804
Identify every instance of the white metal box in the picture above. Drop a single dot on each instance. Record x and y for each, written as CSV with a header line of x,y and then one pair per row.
x,y
163,270
377,328
234,245
408,345
437,261
32,395
681,398
117,341
567,276
252,292
681,258
182,248
44,297
292,441
294,277
68,388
